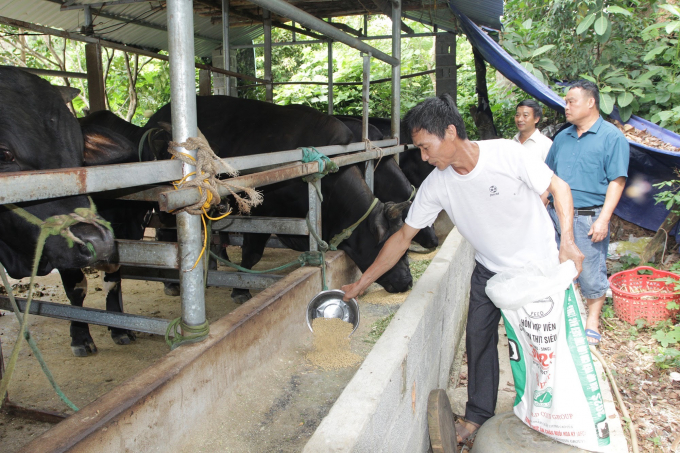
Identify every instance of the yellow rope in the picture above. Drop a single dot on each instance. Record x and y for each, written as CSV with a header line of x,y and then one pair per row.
x,y
206,205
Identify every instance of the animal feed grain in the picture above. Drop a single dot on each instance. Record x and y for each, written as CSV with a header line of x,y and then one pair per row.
x,y
331,344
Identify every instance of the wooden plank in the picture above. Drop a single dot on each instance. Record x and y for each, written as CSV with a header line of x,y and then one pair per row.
x,y
659,239
440,423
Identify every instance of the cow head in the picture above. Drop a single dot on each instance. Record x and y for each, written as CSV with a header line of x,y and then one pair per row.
x,y
370,236
38,132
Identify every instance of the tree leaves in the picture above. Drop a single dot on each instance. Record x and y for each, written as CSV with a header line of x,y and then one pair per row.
x,y
625,98
606,103
543,49
585,23
601,24
625,112
618,10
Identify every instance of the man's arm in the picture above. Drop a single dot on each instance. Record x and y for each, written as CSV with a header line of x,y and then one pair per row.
x,y
600,226
564,206
392,251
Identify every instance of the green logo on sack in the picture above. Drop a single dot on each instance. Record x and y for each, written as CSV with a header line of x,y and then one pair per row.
x,y
543,398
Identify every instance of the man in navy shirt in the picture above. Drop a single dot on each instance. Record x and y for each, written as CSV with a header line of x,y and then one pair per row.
x,y
592,157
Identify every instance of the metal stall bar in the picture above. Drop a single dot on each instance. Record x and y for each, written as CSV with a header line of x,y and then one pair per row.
x,y
226,54
227,279
50,73
90,315
287,10
184,125
369,170
330,76
175,199
16,187
267,23
321,41
396,70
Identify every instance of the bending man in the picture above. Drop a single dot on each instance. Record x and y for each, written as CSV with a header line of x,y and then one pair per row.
x,y
492,191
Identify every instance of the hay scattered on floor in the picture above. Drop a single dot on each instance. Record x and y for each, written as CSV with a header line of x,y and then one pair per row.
x,y
331,344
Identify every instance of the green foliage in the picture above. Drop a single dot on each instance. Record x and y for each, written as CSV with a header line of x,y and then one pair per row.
x,y
629,262
668,358
377,329
310,63
418,268
608,309
629,48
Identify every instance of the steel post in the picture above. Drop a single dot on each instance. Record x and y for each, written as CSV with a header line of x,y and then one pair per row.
x,y
368,172
314,213
267,22
225,44
183,95
330,77
396,71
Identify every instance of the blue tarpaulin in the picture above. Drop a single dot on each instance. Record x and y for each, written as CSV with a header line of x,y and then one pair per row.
x,y
647,167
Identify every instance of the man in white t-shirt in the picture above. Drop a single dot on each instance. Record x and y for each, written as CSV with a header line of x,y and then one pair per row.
x,y
492,191
527,116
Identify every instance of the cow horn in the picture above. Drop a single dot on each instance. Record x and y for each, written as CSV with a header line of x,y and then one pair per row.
x,y
67,93
394,210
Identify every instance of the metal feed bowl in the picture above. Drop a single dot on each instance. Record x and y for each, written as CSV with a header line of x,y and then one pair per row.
x,y
329,304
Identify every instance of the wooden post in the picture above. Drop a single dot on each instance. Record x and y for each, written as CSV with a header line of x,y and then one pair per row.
x,y
659,238
95,77
204,88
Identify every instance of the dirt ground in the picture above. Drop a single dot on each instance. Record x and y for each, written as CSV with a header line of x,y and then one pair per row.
x,y
268,422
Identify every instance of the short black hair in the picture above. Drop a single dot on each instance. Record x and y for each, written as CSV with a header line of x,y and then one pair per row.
x,y
535,106
590,88
434,115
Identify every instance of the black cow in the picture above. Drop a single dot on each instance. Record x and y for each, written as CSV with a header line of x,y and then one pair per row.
x,y
241,127
390,182
38,132
410,162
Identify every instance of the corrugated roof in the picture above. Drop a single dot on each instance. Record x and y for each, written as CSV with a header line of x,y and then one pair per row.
x,y
144,24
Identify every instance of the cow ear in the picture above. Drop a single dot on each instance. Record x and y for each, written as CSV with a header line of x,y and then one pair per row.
x,y
378,224
393,210
67,93
104,147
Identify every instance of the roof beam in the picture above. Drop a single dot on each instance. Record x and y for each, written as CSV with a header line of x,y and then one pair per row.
x,y
113,45
276,23
385,6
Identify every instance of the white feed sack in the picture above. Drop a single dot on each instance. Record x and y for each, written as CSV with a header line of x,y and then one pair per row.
x,y
557,389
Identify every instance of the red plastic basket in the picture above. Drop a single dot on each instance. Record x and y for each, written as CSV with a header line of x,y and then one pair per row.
x,y
638,296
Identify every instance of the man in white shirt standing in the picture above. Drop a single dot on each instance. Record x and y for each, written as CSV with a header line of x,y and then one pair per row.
x,y
527,116
492,192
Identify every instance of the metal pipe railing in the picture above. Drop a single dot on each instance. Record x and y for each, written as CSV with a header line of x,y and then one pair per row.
x,y
289,11
184,125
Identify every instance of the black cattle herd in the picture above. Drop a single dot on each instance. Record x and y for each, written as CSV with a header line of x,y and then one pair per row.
x,y
38,132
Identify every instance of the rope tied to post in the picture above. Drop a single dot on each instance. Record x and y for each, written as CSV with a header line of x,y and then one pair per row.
x,y
58,225
326,165
185,334
208,166
371,147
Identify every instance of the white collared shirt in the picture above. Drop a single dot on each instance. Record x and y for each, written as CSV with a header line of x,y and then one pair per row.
x,y
536,142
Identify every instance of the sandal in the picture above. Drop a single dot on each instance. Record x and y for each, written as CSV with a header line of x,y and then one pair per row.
x,y
462,431
593,337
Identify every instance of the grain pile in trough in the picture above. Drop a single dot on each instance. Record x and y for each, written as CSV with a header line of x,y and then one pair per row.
x,y
331,344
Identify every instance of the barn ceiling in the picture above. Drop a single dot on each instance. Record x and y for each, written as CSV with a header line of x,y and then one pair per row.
x,y
142,23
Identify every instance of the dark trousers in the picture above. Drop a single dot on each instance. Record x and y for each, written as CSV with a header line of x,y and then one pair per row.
x,y
481,343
